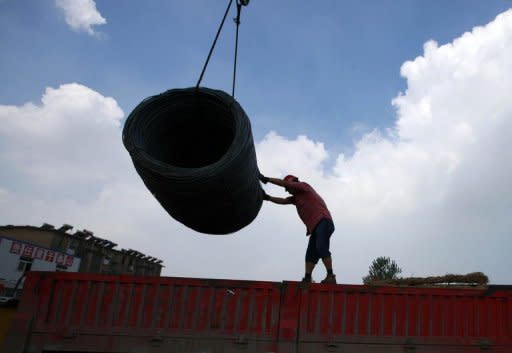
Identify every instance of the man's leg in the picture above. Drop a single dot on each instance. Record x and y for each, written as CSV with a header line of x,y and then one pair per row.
x,y
324,231
310,266
311,258
328,264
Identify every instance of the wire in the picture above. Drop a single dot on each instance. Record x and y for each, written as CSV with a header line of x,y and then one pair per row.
x,y
237,21
239,4
214,42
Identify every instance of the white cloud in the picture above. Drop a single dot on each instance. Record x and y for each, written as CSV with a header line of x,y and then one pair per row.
x,y
436,185
69,139
433,192
81,15
295,157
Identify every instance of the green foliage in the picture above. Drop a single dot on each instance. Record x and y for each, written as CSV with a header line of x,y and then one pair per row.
x,y
382,268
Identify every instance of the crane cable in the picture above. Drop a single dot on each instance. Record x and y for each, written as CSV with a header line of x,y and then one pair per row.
x,y
239,4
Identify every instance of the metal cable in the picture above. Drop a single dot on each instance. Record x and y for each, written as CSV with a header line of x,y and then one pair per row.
x,y
213,45
237,21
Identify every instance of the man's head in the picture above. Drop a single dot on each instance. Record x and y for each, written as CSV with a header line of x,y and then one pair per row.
x,y
291,178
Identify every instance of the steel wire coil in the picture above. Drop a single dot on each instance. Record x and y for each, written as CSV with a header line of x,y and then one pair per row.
x,y
194,150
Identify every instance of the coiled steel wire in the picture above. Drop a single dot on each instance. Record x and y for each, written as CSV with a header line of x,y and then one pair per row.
x,y
193,149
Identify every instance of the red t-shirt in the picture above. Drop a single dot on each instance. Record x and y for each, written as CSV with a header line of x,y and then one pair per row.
x,y
310,206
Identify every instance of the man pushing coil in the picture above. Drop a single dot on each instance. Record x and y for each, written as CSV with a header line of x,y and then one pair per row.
x,y
313,211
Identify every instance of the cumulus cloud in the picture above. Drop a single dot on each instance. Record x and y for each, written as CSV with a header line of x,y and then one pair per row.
x,y
435,186
301,155
65,140
81,15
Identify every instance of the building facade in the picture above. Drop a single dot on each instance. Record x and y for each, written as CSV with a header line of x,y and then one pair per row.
x,y
18,257
46,248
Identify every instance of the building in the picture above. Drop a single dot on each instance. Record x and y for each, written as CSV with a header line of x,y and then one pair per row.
x,y
46,248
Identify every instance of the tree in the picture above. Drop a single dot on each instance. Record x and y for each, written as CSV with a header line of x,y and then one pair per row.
x,y
382,268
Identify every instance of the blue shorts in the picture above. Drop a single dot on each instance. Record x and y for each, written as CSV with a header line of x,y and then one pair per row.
x,y
318,246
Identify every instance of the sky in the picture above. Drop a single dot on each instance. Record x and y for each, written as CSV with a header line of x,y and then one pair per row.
x,y
397,112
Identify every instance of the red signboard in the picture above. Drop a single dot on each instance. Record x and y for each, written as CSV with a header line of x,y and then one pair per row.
x,y
39,253
15,248
28,251
60,259
35,252
69,261
50,256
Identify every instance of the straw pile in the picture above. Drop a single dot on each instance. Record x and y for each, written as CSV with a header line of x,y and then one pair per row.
x,y
471,279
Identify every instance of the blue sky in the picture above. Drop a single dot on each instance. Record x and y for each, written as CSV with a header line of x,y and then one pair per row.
x,y
323,68
392,128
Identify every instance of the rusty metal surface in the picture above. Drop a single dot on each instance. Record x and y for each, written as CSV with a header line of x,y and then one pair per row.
x,y
125,314
117,313
407,317
159,306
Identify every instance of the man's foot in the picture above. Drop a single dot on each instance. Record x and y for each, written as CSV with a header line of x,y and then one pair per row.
x,y
331,279
307,280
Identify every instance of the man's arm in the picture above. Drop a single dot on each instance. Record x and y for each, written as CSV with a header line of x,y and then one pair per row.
x,y
279,182
279,200
275,181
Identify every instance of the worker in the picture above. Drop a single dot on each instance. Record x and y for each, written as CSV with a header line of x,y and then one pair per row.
x,y
313,212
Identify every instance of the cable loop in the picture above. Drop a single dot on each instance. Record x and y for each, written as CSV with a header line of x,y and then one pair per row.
x,y
239,4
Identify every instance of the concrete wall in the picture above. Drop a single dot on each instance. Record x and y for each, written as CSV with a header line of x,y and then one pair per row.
x,y
31,235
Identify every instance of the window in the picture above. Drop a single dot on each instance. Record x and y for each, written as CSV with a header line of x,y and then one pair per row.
x,y
24,265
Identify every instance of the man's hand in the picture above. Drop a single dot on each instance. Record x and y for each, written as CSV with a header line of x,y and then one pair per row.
x,y
263,179
265,196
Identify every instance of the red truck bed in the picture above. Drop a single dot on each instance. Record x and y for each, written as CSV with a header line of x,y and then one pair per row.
x,y
66,312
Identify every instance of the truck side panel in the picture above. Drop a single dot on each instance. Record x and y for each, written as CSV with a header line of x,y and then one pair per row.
x,y
126,314
391,318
